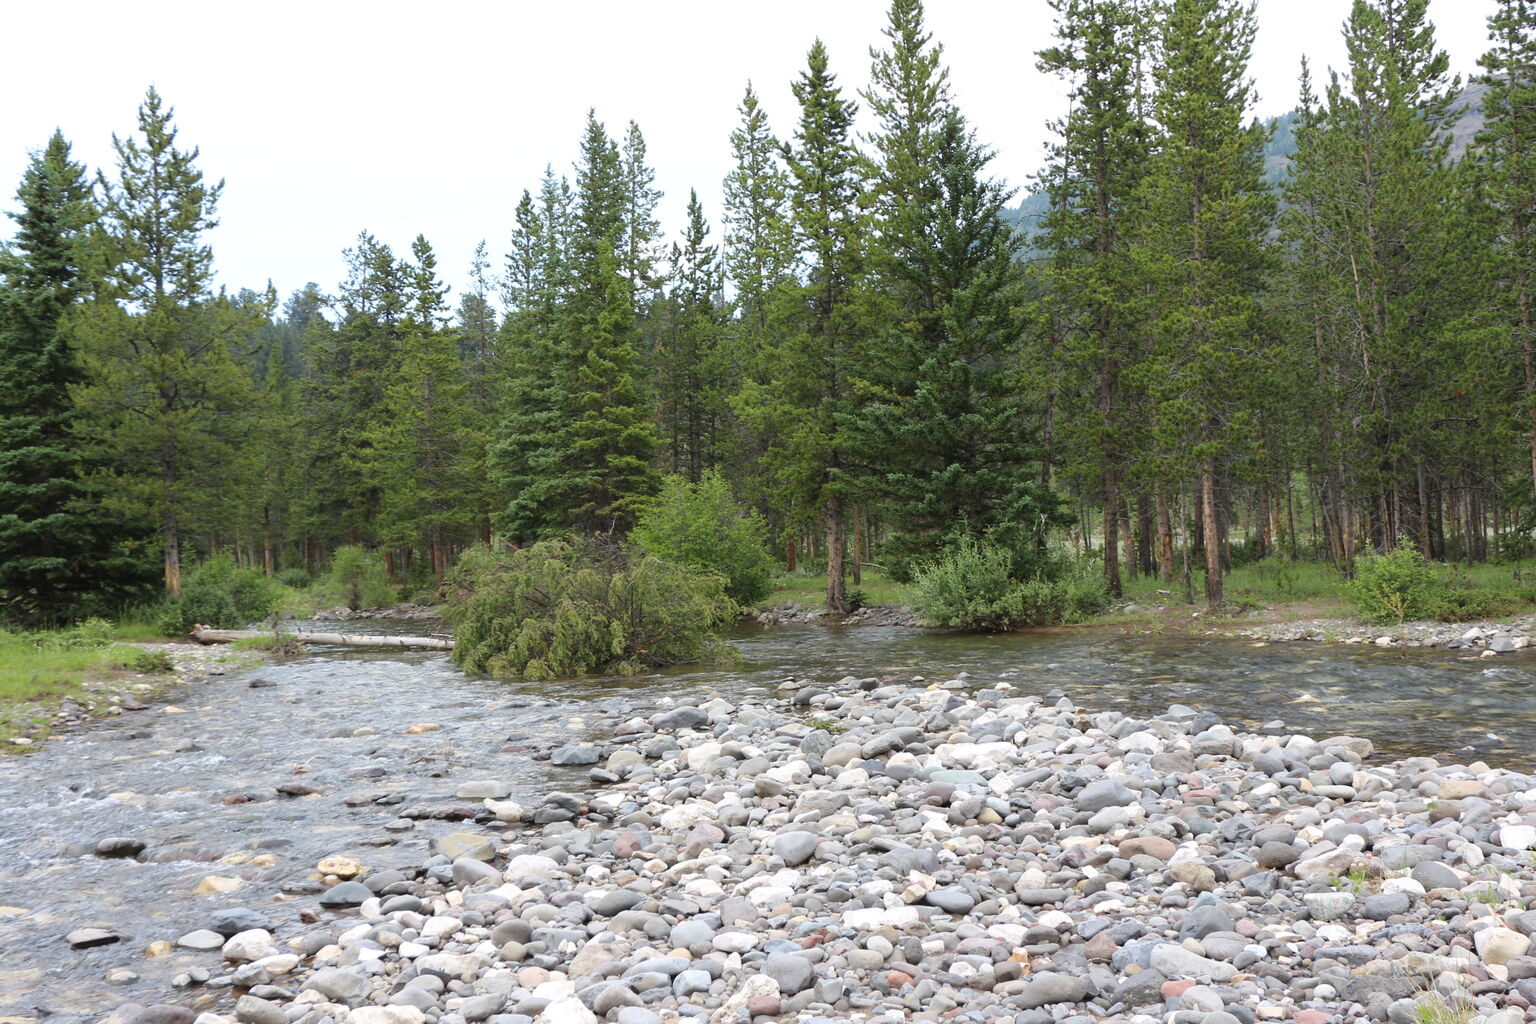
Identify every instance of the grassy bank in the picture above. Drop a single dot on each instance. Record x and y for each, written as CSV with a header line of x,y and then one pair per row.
x,y
39,671
1272,591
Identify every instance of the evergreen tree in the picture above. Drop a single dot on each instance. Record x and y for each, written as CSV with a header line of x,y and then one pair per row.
x,y
944,431
1205,210
1377,202
58,552
170,398
694,375
1509,142
422,466
758,247
1096,170
803,394
638,247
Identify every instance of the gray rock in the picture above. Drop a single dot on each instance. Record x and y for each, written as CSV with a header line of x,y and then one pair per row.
x,y
120,846
792,972
1202,921
688,982
468,871
691,933
234,920
339,985
163,1013
346,894
616,902
1382,905
577,754
251,1010
1099,795
685,717
1047,988
1435,875
952,900
481,1007
87,938
795,848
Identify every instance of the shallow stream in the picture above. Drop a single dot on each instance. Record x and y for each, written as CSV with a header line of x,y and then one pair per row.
x,y
197,779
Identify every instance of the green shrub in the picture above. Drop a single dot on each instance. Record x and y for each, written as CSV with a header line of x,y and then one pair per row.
x,y
984,587
91,633
152,663
356,579
701,526
219,595
296,577
1396,586
565,608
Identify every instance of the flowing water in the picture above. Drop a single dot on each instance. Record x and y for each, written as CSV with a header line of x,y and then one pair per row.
x,y
196,780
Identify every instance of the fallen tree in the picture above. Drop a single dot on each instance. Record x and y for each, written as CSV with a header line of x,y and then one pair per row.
x,y
204,635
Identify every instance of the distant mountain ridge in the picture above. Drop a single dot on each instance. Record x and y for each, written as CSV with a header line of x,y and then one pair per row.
x,y
1278,152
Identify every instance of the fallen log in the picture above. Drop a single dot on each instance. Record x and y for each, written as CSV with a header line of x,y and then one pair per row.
x,y
204,635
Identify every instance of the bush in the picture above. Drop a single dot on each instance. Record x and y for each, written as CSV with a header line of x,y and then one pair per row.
x,y
219,595
983,587
701,526
152,663
1396,586
356,579
296,577
566,608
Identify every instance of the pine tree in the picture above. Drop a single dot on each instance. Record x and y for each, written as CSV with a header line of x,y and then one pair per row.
x,y
164,386
58,552
1509,142
943,430
422,465
1378,204
1205,212
694,374
637,248
808,391
758,248
1096,169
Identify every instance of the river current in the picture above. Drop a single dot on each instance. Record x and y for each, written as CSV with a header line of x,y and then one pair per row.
x,y
197,779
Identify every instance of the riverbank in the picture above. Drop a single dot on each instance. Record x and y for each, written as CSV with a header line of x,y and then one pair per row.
x,y
107,685
883,850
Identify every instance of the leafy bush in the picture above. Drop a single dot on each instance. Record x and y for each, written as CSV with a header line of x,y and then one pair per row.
x,y
356,579
91,633
566,608
701,526
979,586
219,595
1396,586
1475,603
296,577
152,663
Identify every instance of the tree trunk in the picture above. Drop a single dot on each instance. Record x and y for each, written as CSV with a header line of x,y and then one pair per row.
x,y
1213,582
837,593
858,545
172,543
789,552
1111,536
1164,537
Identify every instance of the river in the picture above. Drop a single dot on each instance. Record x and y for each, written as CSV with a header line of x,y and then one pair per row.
x,y
196,779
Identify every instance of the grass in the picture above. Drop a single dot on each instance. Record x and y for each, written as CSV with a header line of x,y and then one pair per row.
x,y
810,589
40,670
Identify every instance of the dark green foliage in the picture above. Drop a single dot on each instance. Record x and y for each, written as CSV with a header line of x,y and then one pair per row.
x,y
60,553
701,526
1396,586
218,595
565,608
152,663
984,587
943,431
296,577
356,579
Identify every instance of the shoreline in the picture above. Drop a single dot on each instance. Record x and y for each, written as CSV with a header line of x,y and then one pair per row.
x,y
1272,624
884,851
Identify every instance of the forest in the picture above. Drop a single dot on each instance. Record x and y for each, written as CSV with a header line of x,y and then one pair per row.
x,y
1186,361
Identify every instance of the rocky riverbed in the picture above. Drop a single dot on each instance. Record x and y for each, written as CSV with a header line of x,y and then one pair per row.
x,y
879,850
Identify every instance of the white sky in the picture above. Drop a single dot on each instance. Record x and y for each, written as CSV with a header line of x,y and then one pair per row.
x,y
328,117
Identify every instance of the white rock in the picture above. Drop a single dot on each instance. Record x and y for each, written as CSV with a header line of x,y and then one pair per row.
x,y
386,1015
1499,945
567,1011
1517,837
246,946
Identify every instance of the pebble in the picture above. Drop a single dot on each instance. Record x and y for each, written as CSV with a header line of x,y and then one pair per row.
x,y
937,856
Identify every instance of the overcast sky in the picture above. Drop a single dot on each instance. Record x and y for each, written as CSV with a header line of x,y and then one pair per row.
x,y
327,118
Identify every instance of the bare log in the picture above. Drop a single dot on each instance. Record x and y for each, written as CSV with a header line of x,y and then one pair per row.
x,y
204,635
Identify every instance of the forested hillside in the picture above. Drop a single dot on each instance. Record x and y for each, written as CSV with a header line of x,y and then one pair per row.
x,y
1208,341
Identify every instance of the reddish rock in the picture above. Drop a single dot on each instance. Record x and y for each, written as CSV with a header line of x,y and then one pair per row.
x,y
1312,1017
1173,989
1247,928
1100,948
896,979
1150,846
627,845
764,1006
